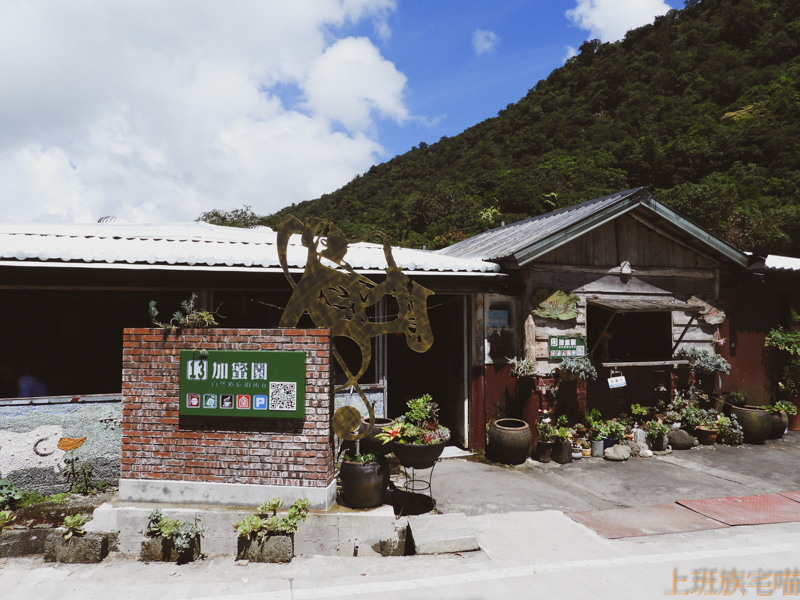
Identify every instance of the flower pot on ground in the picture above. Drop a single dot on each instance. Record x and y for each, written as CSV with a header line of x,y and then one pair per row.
x,y
263,537
780,412
611,432
365,479
597,448
657,436
416,438
794,420
562,449
705,435
510,441
171,540
544,446
756,423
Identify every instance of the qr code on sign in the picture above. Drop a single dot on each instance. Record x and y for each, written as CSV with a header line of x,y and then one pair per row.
x,y
283,395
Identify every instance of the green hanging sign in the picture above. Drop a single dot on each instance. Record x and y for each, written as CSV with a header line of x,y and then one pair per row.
x,y
243,384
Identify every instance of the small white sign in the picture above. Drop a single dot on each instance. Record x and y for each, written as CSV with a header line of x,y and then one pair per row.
x,y
617,382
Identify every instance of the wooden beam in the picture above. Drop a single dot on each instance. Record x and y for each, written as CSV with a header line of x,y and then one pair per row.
x,y
690,273
683,333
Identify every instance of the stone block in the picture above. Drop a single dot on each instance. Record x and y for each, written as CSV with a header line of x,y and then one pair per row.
x,y
618,452
277,548
89,548
163,550
22,542
437,534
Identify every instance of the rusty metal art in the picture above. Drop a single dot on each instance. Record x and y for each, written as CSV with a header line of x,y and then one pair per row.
x,y
337,298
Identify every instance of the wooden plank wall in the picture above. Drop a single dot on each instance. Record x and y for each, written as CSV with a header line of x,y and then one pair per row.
x,y
627,239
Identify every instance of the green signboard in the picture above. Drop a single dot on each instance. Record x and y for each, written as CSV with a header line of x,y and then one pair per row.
x,y
243,384
566,345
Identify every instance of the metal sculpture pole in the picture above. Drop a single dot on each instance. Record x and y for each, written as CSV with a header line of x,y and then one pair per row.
x,y
337,298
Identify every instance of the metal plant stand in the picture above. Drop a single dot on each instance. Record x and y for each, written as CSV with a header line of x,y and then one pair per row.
x,y
419,484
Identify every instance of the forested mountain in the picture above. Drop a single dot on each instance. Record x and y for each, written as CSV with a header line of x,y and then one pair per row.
x,y
702,107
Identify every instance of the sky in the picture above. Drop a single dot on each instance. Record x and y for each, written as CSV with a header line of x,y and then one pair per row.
x,y
159,110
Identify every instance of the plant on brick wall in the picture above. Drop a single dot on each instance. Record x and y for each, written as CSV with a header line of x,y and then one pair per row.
x,y
191,317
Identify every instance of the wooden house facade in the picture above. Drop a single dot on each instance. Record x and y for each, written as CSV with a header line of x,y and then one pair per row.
x,y
646,282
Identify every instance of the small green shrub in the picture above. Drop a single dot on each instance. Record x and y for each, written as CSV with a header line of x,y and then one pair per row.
x,y
263,524
6,518
782,406
729,431
74,525
182,533
10,495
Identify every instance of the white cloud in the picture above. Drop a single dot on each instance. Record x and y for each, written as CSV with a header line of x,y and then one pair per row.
x,y
610,20
484,42
570,53
158,111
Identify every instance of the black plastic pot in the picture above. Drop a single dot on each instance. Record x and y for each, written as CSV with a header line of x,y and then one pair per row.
x,y
544,450
510,441
364,484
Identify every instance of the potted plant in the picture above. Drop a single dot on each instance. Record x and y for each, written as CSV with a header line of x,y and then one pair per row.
x,y
704,364
657,435
573,367
788,342
586,448
417,437
780,412
706,429
365,479
263,537
562,448
71,543
729,431
544,446
171,540
755,421
594,424
612,433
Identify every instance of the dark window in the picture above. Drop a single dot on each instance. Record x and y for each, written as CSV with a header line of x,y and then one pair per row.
x,y
631,337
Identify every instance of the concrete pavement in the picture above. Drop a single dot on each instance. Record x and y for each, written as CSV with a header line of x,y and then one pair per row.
x,y
529,547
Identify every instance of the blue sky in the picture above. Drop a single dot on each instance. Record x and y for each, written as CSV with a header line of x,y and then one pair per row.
x,y
158,110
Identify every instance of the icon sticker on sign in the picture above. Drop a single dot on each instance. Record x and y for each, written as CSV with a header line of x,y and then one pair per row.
x,y
243,401
192,400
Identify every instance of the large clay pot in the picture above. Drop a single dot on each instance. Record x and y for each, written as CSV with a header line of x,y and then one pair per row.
x,y
364,484
510,441
412,456
756,423
780,422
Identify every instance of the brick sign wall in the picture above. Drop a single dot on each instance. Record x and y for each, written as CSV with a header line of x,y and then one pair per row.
x,y
217,459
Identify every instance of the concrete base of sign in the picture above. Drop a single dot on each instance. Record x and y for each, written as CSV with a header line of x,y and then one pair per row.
x,y
347,533
240,494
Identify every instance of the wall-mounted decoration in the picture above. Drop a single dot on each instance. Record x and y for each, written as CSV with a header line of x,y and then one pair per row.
x,y
557,305
243,384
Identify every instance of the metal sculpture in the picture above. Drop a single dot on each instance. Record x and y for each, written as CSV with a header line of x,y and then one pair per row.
x,y
337,298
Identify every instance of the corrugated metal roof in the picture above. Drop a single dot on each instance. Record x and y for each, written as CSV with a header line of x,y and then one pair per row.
x,y
528,240
197,245
785,263
506,241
